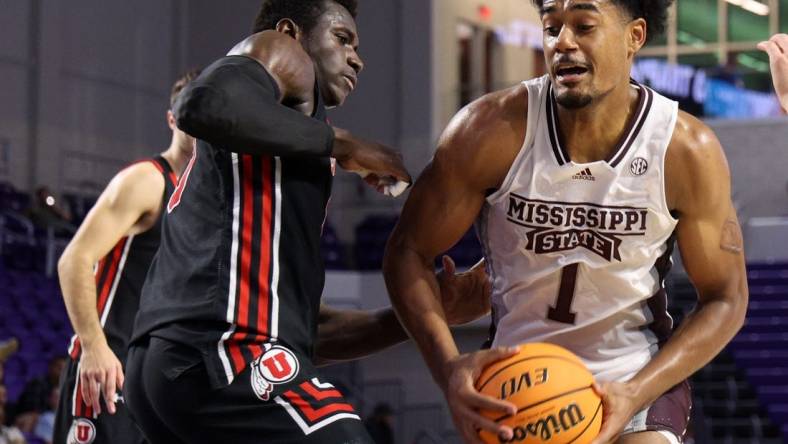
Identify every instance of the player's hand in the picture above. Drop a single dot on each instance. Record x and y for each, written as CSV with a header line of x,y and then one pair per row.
x,y
777,48
100,374
619,405
465,401
380,166
465,296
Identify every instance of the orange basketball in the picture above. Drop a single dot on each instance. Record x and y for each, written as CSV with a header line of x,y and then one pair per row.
x,y
551,388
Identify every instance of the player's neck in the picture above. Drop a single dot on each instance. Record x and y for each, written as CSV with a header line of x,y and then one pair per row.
x,y
179,153
591,133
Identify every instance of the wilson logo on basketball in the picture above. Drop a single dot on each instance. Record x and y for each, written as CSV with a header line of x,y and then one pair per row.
x,y
82,432
545,427
276,366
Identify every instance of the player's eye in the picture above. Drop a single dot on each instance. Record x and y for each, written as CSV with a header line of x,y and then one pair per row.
x,y
585,28
343,39
552,30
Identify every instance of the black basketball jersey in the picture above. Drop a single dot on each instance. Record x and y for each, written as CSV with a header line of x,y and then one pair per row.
x,y
121,273
239,264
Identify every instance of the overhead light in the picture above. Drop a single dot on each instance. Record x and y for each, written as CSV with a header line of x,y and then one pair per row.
x,y
753,6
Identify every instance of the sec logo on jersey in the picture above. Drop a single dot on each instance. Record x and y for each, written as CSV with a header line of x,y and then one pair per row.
x,y
82,432
639,166
277,365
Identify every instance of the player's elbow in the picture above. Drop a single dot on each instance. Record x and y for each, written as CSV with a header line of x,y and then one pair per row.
x,y
740,302
396,253
198,112
71,260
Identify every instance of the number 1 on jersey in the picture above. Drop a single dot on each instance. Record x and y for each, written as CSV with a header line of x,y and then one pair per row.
x,y
562,311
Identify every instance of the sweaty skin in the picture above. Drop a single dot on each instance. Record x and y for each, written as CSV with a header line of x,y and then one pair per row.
x,y
476,152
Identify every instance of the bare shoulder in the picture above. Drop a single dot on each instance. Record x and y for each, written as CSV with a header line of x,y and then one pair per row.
x,y
137,187
695,163
484,138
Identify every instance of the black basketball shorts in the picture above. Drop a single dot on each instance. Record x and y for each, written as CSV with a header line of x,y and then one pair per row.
x,y
280,398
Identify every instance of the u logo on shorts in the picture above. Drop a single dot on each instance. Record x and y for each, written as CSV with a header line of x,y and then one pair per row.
x,y
277,365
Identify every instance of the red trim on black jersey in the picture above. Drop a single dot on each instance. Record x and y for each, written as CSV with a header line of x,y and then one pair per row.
x,y
106,273
318,393
81,409
255,259
313,413
169,174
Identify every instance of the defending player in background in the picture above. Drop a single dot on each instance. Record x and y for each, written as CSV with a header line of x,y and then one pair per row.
x,y
101,275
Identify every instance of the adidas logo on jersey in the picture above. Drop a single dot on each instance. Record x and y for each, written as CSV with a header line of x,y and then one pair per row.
x,y
584,175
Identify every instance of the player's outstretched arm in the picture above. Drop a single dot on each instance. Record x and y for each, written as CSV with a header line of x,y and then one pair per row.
x,y
473,156
710,240
777,48
125,207
344,335
250,105
261,105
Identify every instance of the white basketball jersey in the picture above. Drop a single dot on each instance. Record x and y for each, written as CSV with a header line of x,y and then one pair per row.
x,y
577,253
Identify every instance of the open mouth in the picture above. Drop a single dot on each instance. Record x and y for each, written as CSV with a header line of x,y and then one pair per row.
x,y
350,82
570,73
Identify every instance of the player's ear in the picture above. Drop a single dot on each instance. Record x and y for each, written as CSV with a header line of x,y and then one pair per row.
x,y
289,27
171,120
636,35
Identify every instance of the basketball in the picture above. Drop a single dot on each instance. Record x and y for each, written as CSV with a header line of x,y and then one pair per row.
x,y
551,388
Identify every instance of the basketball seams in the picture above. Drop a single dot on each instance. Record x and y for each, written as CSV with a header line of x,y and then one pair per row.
x,y
562,358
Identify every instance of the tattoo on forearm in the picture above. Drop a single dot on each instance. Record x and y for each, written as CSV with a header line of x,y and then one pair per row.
x,y
731,239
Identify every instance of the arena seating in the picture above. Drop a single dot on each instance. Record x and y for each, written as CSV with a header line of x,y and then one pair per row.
x,y
728,406
33,312
761,348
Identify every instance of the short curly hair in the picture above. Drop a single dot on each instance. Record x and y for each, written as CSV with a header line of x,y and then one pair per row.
x,y
305,13
654,12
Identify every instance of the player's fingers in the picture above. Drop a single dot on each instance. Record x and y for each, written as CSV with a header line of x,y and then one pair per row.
x,y
600,389
781,40
448,265
477,421
482,402
396,168
84,383
770,48
471,434
95,393
109,391
486,357
121,378
372,180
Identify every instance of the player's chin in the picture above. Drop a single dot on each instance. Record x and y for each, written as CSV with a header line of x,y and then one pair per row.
x,y
338,92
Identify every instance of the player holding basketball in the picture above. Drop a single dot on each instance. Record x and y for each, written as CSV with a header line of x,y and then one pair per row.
x,y
225,339
777,48
579,182
121,234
